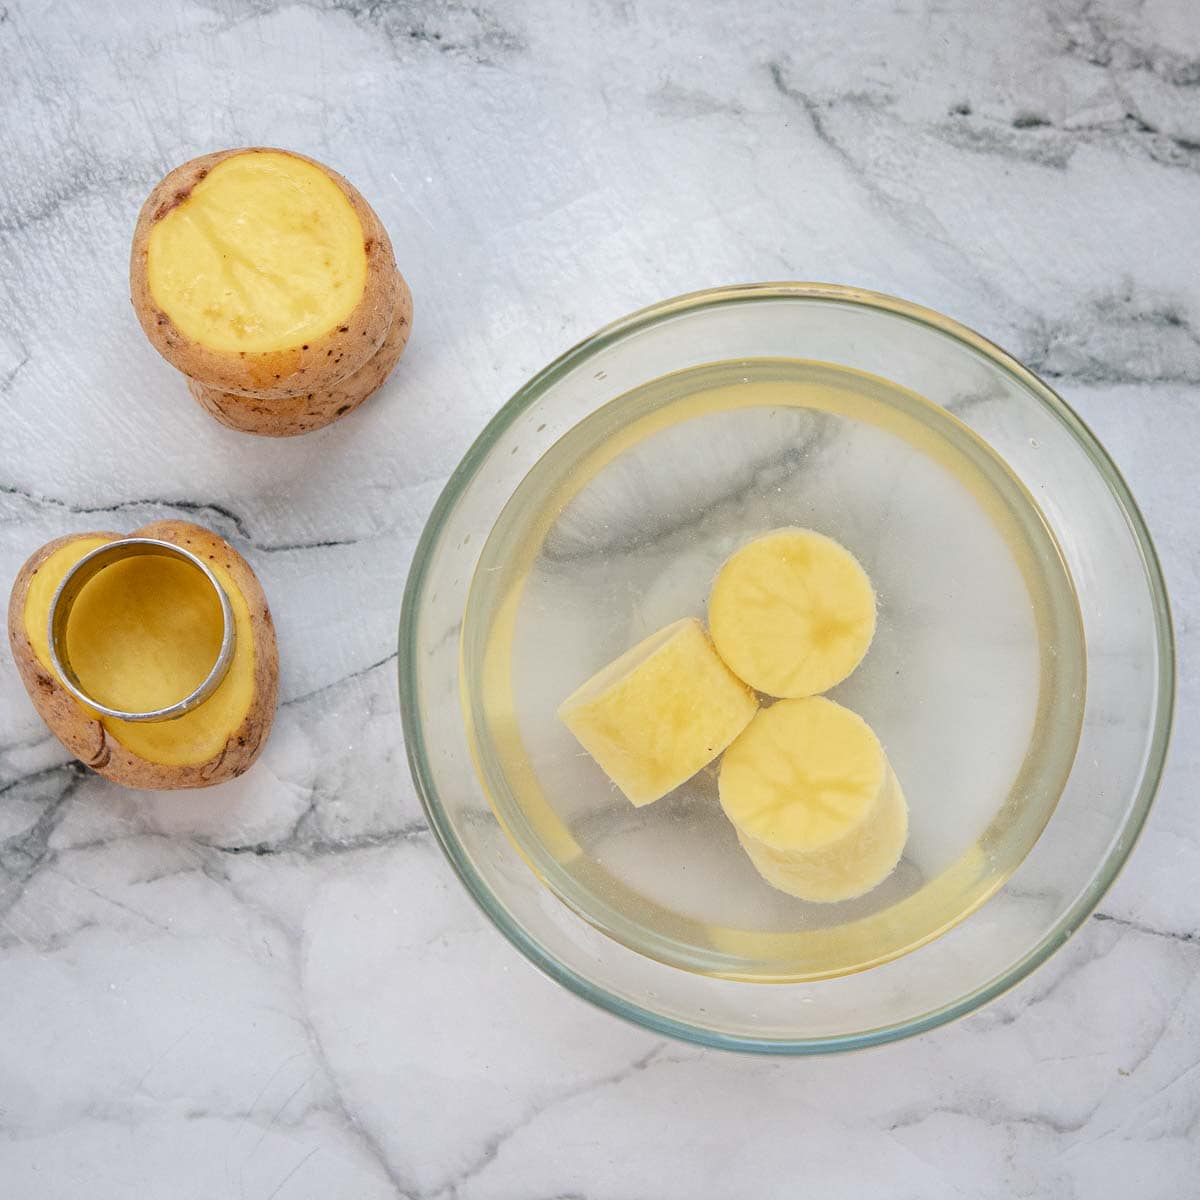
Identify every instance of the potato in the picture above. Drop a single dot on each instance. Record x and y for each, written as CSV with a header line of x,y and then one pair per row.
x,y
214,742
291,415
263,272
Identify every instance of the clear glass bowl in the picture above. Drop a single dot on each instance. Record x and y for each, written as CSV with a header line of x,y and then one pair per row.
x,y
1022,676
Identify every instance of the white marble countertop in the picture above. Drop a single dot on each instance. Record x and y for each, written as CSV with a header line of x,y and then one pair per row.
x,y
276,989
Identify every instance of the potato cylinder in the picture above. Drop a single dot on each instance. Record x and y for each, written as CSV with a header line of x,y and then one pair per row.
x,y
660,713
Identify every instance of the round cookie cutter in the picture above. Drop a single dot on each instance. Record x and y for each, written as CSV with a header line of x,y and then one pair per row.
x,y
85,570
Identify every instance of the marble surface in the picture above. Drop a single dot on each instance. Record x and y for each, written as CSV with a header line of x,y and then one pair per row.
x,y
277,989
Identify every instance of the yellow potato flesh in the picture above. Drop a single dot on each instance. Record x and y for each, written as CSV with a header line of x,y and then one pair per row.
x,y
659,713
792,613
144,633
803,775
265,254
132,671
849,867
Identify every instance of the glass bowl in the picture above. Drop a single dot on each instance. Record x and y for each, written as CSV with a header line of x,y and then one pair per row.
x,y
1021,677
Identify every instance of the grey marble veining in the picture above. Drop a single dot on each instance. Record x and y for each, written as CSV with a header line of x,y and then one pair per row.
x,y
276,989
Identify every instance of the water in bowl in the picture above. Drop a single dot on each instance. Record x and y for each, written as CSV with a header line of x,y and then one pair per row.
x,y
974,682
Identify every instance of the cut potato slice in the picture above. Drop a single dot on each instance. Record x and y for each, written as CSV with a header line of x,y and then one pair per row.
x,y
848,868
805,774
660,712
792,613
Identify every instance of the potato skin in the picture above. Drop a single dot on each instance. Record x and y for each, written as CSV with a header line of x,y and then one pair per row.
x,y
293,415
85,735
297,371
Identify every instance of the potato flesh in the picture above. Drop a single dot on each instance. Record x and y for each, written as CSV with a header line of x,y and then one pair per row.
x,y
144,633
848,868
792,613
265,254
659,713
197,736
804,774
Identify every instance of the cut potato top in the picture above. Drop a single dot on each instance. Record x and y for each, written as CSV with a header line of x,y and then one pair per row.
x,y
792,612
850,867
132,671
804,774
265,253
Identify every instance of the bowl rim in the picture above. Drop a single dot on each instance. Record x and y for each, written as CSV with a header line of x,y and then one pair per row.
x,y
417,751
